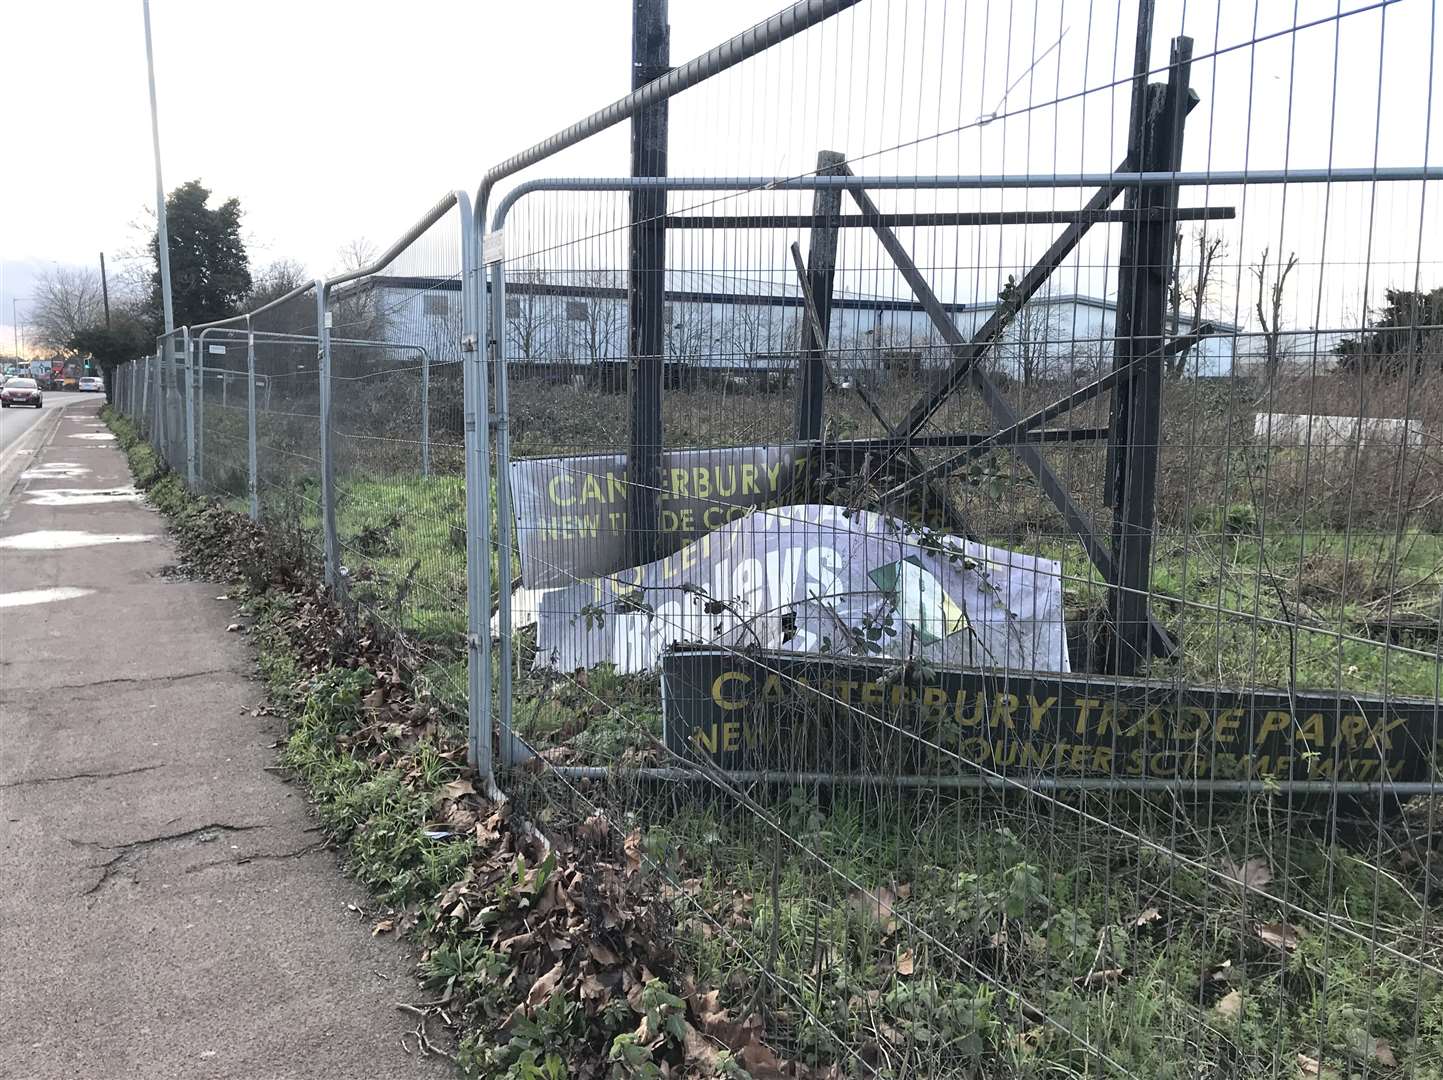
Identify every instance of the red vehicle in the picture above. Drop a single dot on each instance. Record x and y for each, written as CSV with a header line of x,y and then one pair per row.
x,y
20,391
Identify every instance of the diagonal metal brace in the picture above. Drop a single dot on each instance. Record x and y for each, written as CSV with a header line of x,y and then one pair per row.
x,y
964,366
1008,435
953,517
966,353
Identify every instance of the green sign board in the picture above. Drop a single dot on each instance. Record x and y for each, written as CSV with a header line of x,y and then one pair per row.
x,y
808,713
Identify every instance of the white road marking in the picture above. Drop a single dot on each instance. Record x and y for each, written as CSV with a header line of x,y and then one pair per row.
x,y
80,496
55,470
56,539
41,596
96,436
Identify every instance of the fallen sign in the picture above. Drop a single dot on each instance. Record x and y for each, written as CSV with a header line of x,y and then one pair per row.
x,y
571,516
811,578
781,712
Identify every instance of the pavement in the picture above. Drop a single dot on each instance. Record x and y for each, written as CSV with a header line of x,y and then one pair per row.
x,y
167,907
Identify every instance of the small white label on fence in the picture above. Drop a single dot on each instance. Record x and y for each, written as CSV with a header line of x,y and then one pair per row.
x,y
493,247
215,350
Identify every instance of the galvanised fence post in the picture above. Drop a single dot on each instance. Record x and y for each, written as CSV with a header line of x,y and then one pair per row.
x,y
497,322
198,382
475,416
160,435
426,410
145,399
252,487
328,479
188,396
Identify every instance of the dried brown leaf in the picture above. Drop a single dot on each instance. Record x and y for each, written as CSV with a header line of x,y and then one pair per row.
x,y
602,955
456,789
699,1049
632,846
758,1059
1379,1051
1147,918
1230,1005
876,906
384,926
543,987
906,963
1255,873
1280,935
1309,1066
596,828
516,941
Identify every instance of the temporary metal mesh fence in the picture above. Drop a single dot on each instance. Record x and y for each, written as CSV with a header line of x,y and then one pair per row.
x,y
223,415
966,521
398,448
285,341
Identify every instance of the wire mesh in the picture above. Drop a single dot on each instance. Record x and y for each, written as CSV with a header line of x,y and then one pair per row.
x,y
398,449
860,692
285,338
222,417
1005,619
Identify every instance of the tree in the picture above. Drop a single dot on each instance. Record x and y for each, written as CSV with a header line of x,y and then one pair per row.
x,y
356,310
752,329
66,300
1274,350
1211,250
690,335
209,270
1030,346
126,338
274,281
356,253
597,324
531,316
1404,336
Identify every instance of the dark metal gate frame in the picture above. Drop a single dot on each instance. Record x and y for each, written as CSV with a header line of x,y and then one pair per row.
x,y
1149,175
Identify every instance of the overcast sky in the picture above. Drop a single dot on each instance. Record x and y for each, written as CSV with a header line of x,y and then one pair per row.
x,y
334,120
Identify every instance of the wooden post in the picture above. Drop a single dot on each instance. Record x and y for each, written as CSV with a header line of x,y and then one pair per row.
x,y
646,283
821,270
1144,279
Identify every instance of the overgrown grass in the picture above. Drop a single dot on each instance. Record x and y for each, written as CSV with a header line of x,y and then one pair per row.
x,y
880,932
1014,935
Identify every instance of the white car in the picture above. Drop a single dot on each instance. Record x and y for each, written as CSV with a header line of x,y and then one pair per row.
x,y
92,383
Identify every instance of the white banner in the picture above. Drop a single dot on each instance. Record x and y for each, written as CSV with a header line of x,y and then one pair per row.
x,y
819,579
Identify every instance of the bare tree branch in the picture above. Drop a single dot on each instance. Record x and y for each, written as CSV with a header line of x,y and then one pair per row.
x,y
65,301
1272,330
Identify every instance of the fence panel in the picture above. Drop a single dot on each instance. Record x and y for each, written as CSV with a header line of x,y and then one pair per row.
x,y
288,421
926,493
973,535
222,428
398,449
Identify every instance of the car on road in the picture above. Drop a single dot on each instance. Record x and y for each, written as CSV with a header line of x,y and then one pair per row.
x,y
20,391
91,383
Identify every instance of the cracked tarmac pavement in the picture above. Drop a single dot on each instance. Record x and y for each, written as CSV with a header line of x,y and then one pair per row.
x,y
167,906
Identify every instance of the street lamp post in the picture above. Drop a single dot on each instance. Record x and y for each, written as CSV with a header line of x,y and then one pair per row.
x,y
162,234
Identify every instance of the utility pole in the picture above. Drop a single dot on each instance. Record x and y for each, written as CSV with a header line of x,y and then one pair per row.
x,y
104,290
646,285
162,234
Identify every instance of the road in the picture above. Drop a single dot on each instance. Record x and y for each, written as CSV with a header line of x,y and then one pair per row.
x,y
16,422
